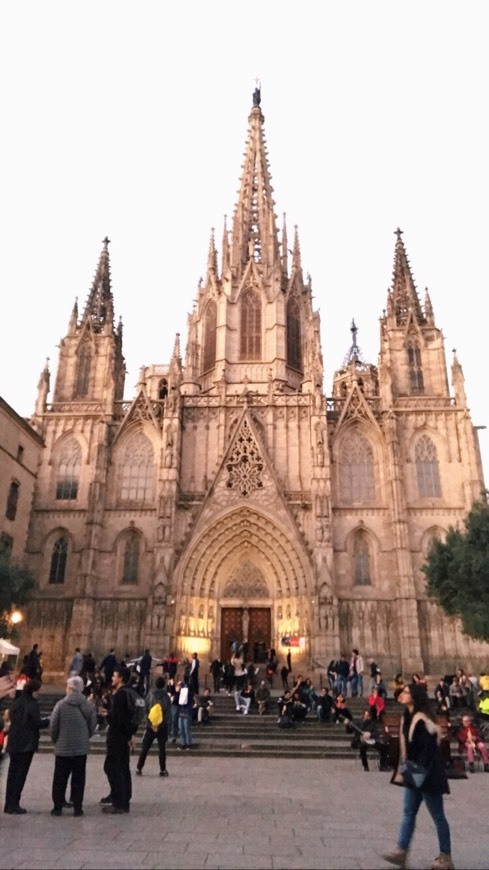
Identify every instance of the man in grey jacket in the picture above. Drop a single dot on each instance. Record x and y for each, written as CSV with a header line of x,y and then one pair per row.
x,y
73,722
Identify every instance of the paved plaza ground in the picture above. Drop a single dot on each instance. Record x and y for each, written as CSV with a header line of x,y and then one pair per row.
x,y
239,813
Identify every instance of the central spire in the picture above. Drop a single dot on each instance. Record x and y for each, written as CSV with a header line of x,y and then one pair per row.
x,y
100,304
404,294
254,235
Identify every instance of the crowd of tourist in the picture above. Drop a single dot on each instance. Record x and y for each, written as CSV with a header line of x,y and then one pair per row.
x,y
166,700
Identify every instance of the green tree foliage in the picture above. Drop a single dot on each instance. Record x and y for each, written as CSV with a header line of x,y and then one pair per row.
x,y
17,585
457,572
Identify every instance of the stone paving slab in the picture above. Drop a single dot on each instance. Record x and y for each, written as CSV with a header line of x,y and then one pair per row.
x,y
238,814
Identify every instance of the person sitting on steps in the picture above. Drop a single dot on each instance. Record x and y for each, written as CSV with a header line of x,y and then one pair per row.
x,y
470,741
366,734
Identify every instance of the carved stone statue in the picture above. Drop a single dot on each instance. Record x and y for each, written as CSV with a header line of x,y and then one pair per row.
x,y
246,624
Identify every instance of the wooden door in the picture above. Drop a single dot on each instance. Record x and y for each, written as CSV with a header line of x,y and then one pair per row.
x,y
259,634
231,630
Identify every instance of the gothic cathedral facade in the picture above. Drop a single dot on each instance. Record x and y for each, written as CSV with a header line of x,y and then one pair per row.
x,y
231,499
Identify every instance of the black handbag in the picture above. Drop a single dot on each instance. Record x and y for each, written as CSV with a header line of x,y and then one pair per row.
x,y
414,774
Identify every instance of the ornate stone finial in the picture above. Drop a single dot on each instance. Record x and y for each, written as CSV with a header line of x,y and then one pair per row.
x,y
257,93
398,233
354,331
106,241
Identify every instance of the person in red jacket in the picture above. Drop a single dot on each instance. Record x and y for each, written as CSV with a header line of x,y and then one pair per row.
x,y
469,740
377,705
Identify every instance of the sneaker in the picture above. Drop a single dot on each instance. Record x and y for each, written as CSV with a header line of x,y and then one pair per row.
x,y
15,811
106,800
113,811
139,772
398,857
56,812
442,862
164,773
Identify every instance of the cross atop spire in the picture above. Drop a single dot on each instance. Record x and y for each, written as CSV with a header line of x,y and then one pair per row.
x,y
99,307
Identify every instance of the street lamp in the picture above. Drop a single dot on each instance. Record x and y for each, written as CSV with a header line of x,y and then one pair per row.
x,y
15,617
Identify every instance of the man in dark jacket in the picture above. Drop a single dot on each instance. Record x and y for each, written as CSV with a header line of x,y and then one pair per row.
x,y
144,672
119,738
324,705
34,663
158,696
73,722
108,666
366,733
23,742
193,679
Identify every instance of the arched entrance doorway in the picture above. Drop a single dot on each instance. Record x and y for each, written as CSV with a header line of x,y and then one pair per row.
x,y
242,561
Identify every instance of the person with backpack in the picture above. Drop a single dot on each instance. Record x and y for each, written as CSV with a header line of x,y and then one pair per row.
x,y
158,708
122,718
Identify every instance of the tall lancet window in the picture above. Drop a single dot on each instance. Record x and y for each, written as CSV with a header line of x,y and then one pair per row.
x,y
12,500
83,368
137,470
427,469
210,324
250,326
361,560
357,477
294,349
416,382
130,569
68,472
59,556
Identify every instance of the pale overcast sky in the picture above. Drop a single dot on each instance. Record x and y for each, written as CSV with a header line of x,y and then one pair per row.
x,y
130,119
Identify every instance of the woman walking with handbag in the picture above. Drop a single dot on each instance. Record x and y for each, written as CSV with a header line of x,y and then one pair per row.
x,y
422,773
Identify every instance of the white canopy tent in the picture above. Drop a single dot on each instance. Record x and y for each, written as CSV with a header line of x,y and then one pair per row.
x,y
7,648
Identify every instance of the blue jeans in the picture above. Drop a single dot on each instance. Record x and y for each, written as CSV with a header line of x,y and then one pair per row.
x,y
340,685
185,730
434,804
174,721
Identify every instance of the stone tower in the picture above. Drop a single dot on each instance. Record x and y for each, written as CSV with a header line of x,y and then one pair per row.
x,y
230,500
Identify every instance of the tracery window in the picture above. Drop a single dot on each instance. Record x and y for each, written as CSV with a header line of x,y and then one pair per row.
x,y
361,560
68,474
12,500
294,349
416,381
427,468
250,347
59,556
357,476
137,470
83,368
210,326
130,569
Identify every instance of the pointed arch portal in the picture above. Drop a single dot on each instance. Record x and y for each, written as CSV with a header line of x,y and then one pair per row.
x,y
243,562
